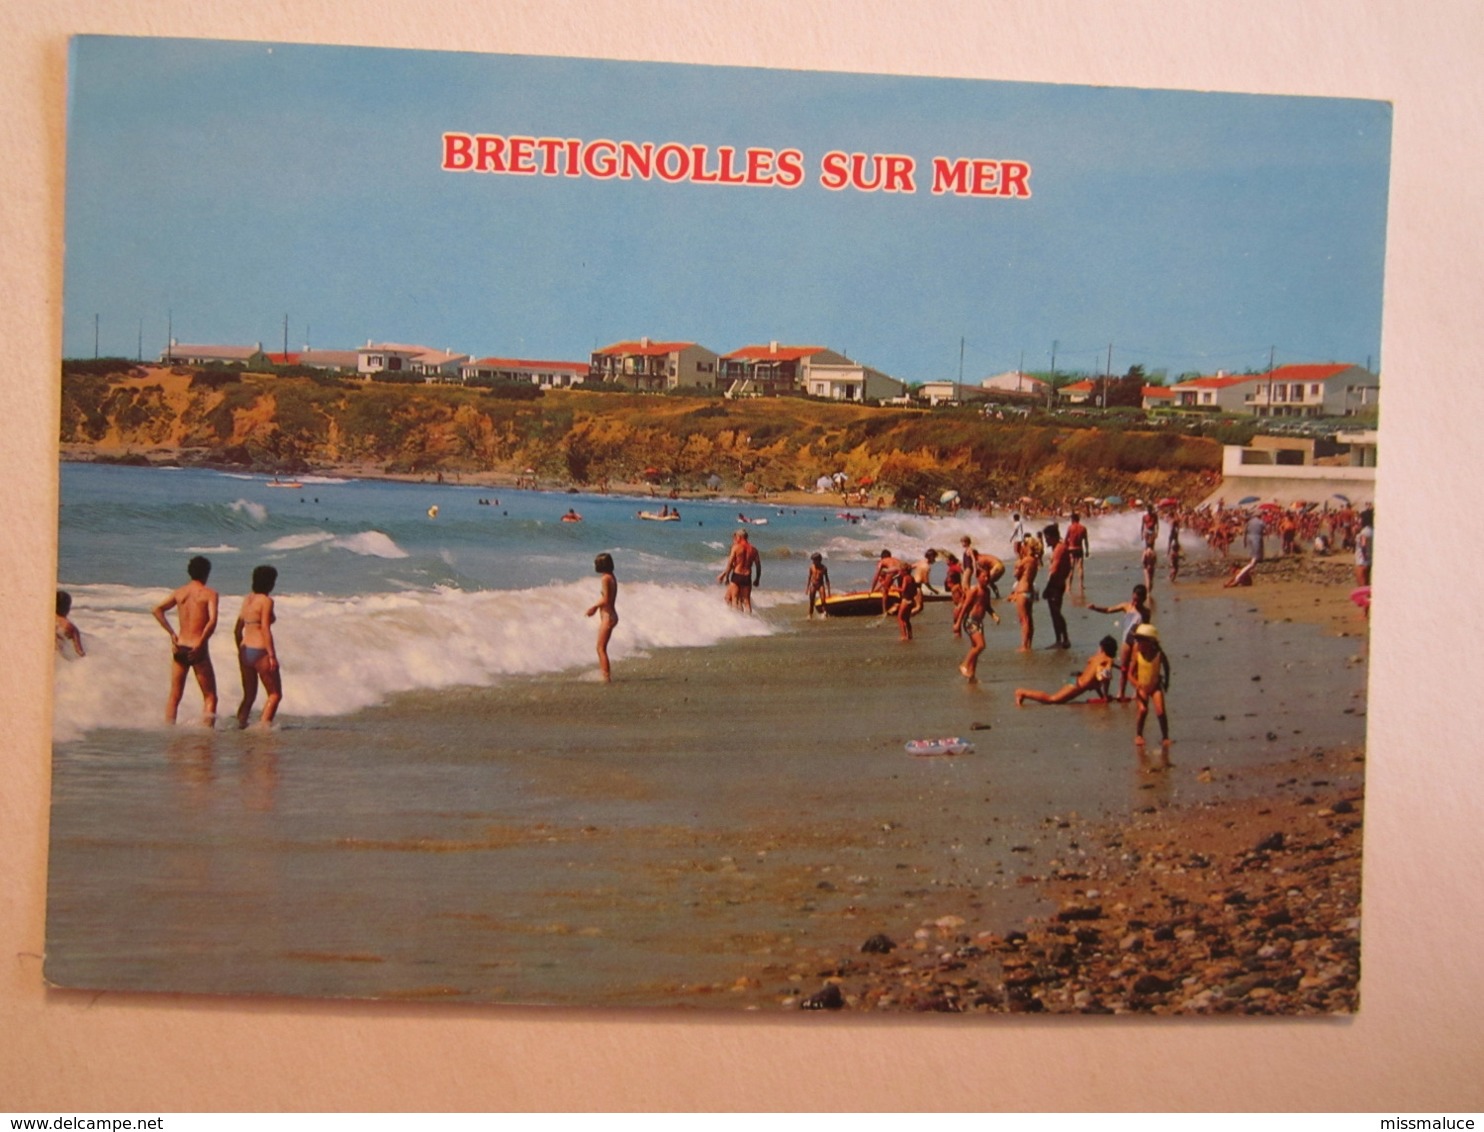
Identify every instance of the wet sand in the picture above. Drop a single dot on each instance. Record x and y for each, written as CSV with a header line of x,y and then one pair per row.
x,y
721,827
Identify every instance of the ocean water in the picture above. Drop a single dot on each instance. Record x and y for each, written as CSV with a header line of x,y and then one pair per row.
x,y
452,806
376,597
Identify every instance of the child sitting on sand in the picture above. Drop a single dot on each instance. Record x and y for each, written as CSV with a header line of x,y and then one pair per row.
x,y
1096,674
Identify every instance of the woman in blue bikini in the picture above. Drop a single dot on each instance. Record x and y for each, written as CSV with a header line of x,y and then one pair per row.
x,y
256,656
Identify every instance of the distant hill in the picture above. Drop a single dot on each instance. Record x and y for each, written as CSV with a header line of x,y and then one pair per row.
x,y
295,424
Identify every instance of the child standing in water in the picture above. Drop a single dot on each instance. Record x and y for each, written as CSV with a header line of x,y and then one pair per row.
x,y
607,607
817,587
909,597
1150,675
1139,613
66,631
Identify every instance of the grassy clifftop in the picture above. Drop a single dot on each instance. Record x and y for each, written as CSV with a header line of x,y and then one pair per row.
x,y
295,424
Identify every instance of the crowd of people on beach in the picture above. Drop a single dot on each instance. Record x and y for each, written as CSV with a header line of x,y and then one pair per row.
x,y
970,583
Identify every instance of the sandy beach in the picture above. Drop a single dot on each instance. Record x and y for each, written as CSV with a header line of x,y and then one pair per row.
x,y
728,826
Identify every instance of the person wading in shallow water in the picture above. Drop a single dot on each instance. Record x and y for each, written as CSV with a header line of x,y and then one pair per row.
x,y
1149,672
195,604
607,607
257,657
744,570
1055,592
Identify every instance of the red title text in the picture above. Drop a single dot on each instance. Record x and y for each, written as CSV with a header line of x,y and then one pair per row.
x,y
752,166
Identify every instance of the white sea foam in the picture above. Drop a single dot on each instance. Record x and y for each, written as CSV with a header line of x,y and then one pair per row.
x,y
340,655
223,549
373,544
255,511
908,535
300,541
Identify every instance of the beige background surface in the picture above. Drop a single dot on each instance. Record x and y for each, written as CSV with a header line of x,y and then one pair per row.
x,y
1418,1043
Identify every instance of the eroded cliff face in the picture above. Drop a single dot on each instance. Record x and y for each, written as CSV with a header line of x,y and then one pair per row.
x,y
294,424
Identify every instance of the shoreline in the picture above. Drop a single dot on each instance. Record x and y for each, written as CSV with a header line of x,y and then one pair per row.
x,y
509,481
727,827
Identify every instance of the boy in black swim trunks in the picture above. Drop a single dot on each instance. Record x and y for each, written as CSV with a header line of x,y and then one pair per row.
x,y
195,604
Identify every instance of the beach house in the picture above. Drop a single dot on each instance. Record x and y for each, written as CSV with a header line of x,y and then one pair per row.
x,y
773,369
1221,392
949,392
188,354
548,375
650,366
389,357
1332,390
1016,384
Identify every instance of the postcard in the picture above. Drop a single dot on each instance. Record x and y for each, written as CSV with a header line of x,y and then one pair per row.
x,y
574,532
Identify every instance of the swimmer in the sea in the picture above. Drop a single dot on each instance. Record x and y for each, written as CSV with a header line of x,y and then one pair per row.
x,y
66,631
195,604
607,608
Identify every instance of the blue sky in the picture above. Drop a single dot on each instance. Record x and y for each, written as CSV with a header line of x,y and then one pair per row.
x,y
218,187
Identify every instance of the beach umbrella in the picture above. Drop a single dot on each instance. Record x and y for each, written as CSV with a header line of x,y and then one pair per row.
x,y
866,481
1247,500
1113,500
713,481
1345,499
1091,499
948,496
1168,501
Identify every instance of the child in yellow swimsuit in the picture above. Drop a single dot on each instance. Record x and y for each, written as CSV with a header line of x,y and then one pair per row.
x,y
1149,672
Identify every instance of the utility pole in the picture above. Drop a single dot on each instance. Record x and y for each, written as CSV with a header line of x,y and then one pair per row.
x,y
285,338
95,337
958,392
1272,350
139,351
1107,374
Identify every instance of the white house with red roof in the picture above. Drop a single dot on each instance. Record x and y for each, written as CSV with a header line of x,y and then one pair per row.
x,y
546,374
1225,393
1156,397
1335,389
773,369
1077,392
652,366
